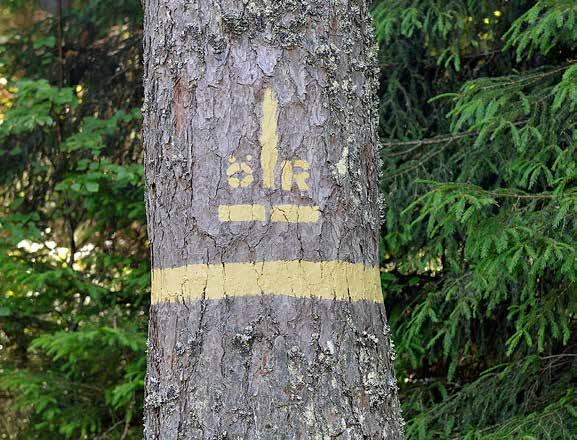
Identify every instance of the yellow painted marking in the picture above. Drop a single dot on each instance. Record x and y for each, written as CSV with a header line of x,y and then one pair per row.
x,y
342,164
288,176
239,174
241,213
295,214
268,139
293,172
338,280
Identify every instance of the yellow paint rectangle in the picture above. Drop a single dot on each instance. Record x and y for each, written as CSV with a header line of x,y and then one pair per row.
x,y
295,214
241,213
333,280
269,138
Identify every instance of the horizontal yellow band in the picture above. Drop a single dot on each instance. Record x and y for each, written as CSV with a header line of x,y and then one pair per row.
x,y
295,214
279,213
301,279
241,213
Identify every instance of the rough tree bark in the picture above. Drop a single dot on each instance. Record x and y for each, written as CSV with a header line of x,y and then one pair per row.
x,y
261,163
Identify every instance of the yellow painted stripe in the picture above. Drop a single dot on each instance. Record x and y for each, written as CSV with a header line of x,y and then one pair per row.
x,y
301,279
241,213
268,138
295,214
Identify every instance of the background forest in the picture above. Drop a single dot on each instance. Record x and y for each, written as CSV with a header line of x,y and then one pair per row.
x,y
479,262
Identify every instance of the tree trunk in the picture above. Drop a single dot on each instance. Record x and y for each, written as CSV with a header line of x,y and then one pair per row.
x,y
267,317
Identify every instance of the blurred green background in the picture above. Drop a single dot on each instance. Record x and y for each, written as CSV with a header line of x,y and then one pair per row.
x,y
479,264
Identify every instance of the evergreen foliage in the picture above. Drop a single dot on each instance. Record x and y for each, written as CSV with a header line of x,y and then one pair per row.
x,y
74,277
479,245
479,139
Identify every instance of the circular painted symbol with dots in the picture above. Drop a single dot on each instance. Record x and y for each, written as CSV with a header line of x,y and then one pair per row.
x,y
239,173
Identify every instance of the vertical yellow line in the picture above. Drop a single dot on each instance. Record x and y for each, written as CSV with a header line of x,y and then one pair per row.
x,y
268,139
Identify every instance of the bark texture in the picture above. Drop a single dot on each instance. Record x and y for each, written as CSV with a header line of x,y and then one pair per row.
x,y
260,137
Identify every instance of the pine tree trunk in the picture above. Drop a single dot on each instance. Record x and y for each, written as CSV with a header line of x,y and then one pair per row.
x,y
267,319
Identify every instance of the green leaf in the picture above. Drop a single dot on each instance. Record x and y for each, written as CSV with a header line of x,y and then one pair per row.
x,y
92,187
